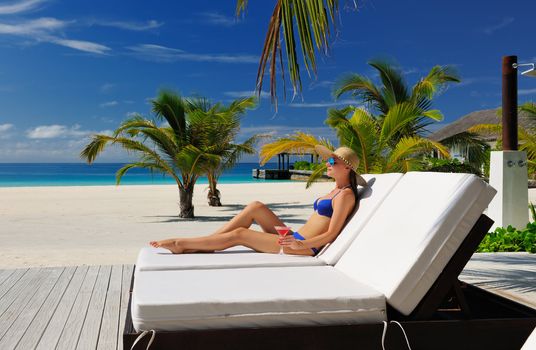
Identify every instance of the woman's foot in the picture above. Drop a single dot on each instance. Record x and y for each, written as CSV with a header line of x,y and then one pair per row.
x,y
169,244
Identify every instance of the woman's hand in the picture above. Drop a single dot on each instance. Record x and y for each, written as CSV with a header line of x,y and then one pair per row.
x,y
290,242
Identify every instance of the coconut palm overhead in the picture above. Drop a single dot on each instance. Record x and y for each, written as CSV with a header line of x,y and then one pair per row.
x,y
178,149
221,128
313,21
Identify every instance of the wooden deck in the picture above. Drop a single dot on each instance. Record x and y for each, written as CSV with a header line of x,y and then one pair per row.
x,y
78,307
84,307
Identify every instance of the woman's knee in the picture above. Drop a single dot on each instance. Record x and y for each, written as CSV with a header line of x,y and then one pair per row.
x,y
255,205
237,235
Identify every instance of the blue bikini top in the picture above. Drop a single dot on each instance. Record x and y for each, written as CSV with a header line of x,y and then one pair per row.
x,y
324,207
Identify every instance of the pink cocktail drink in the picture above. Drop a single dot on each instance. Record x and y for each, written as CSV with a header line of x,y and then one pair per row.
x,y
282,231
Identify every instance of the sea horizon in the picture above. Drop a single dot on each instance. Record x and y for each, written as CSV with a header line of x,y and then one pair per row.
x,y
103,174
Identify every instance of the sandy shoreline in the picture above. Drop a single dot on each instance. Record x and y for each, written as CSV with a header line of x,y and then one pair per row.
x,y
97,225
61,226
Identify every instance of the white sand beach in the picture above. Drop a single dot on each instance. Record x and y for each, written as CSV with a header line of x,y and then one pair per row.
x,y
61,226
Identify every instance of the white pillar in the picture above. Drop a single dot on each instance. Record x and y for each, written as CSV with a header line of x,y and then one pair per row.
x,y
509,176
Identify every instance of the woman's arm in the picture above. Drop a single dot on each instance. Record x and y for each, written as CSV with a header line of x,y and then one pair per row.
x,y
343,205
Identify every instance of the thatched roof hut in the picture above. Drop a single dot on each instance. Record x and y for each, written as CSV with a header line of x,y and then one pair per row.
x,y
487,116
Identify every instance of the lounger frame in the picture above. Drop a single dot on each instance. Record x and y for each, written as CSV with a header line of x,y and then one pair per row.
x,y
452,315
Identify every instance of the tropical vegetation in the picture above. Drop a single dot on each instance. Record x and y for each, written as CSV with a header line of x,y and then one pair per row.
x,y
183,147
222,126
526,137
387,132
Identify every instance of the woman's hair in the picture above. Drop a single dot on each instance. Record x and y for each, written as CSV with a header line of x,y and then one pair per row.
x,y
353,185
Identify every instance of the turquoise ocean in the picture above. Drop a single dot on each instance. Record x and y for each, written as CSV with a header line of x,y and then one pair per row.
x,y
99,174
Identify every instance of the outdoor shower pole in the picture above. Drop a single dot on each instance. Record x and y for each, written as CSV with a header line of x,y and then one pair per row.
x,y
509,103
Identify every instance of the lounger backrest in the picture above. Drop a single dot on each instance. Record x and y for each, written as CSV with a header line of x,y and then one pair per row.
x,y
411,237
370,198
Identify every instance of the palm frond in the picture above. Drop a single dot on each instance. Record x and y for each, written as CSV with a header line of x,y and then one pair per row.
x,y
315,175
363,88
486,129
95,147
436,80
529,108
403,157
394,88
300,143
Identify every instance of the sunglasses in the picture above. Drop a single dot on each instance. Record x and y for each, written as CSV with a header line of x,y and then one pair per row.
x,y
331,161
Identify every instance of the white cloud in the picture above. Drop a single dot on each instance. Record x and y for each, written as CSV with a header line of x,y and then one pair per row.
x,y
81,45
109,104
492,29
134,26
19,6
4,131
59,131
36,27
158,53
5,127
323,104
43,29
215,18
131,114
526,91
321,84
240,94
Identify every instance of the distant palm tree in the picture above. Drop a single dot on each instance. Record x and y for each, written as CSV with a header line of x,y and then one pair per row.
x,y
176,149
393,93
312,20
527,137
222,124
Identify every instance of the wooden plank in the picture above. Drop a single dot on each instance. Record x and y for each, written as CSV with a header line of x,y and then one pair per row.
x,y
55,326
38,325
11,281
16,329
71,331
128,270
90,331
14,300
4,274
110,317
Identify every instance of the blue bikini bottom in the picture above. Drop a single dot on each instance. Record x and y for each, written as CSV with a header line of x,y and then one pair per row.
x,y
301,238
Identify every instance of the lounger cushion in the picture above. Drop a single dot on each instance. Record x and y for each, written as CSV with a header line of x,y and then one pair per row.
x,y
162,259
247,298
370,198
414,233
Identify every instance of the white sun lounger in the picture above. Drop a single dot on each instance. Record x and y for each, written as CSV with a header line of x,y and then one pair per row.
x,y
393,261
158,259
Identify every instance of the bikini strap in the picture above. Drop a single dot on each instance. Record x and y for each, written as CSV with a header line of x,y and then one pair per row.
x,y
336,194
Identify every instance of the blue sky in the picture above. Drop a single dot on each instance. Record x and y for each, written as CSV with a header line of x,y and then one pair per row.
x,y
72,68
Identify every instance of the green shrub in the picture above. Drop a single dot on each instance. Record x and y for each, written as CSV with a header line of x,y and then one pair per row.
x,y
510,240
305,165
449,166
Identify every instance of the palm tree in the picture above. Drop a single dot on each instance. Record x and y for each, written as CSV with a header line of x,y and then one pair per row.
x,y
312,20
393,93
222,127
527,137
176,149
378,141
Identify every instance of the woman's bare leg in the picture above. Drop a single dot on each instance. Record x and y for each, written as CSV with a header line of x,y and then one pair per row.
x,y
260,241
253,212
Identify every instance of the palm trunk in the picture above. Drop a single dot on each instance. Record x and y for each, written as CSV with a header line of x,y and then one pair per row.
x,y
213,193
186,195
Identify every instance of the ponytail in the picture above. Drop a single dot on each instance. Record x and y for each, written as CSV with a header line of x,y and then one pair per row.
x,y
353,185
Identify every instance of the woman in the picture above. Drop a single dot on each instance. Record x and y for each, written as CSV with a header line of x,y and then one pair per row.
x,y
330,214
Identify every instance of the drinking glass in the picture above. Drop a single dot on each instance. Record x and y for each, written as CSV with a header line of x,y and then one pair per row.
x,y
282,231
